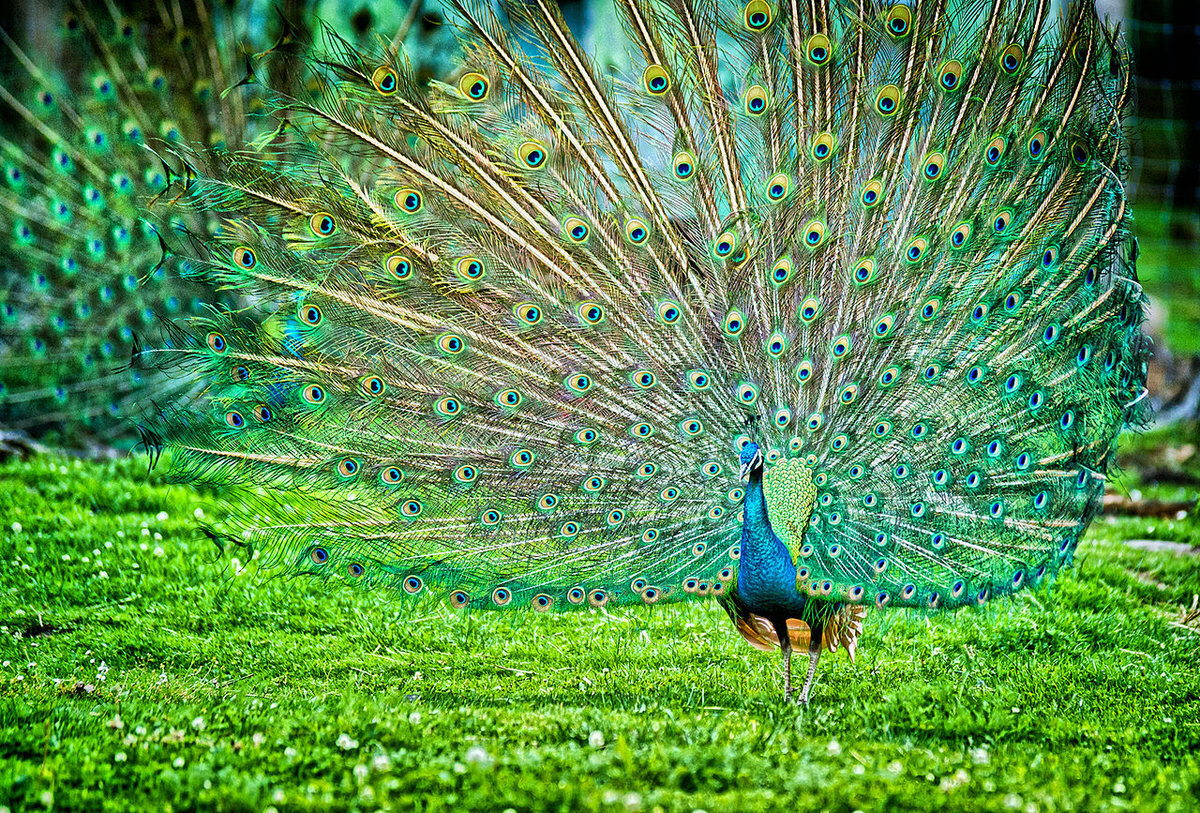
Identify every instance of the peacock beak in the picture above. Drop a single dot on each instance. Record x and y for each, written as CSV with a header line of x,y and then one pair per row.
x,y
744,474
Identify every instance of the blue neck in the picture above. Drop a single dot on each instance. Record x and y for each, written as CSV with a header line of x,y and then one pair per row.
x,y
766,575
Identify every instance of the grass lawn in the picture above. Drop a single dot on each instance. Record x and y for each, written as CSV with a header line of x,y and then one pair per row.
x,y
142,671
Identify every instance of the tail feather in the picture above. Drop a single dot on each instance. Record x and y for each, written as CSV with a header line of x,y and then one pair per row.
x,y
518,323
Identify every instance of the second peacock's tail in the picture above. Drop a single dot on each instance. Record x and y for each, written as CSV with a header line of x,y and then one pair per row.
x,y
521,322
86,112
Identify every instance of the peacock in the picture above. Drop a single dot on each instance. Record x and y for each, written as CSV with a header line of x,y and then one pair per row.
x,y
823,306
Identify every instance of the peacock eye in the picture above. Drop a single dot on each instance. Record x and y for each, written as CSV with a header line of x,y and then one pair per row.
x,y
757,15
470,269
814,234
531,154
777,187
735,323
899,21
934,164
1080,153
451,344
373,385
322,224
1012,58
872,192
311,315
995,150
528,313
576,230
817,49
887,100
950,74
385,80
823,146
656,80
636,231
409,200
1037,144
685,165
755,102
398,266
474,86
244,257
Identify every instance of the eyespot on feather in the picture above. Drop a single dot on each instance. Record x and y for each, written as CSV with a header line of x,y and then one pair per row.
x,y
818,49
872,193
531,154
636,231
887,100
823,146
398,266
372,386
475,86
385,80
470,269
322,224
757,15
656,80
684,164
755,102
244,257
898,22
950,75
409,200
1011,59
576,230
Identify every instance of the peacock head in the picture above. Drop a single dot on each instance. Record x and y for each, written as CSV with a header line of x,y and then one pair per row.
x,y
752,460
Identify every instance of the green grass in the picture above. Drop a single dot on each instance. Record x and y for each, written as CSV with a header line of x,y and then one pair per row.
x,y
142,671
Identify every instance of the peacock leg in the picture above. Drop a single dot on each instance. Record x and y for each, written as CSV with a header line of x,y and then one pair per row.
x,y
814,655
785,643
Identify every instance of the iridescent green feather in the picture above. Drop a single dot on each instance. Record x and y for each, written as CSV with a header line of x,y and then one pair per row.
x,y
522,319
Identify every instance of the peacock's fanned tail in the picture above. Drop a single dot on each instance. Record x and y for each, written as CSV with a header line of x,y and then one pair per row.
x,y
81,271
519,321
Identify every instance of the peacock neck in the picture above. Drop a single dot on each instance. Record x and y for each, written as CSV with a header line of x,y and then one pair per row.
x,y
766,573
